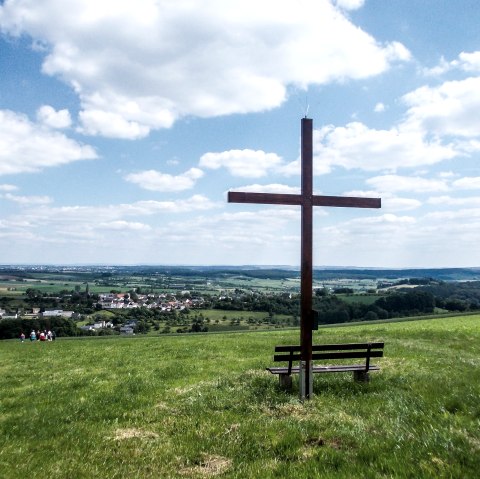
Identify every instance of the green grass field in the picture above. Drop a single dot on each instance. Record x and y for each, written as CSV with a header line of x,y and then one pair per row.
x,y
196,406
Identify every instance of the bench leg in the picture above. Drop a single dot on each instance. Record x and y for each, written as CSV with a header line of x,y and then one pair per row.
x,y
285,381
361,376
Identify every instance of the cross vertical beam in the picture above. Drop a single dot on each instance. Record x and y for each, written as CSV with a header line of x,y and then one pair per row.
x,y
307,200
306,375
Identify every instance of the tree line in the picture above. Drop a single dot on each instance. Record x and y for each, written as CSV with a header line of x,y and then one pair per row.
x,y
426,298
333,309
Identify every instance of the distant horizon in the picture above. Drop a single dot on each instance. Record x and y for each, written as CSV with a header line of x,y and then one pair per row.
x,y
226,266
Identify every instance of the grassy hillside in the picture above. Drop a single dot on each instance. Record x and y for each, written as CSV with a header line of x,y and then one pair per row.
x,y
203,406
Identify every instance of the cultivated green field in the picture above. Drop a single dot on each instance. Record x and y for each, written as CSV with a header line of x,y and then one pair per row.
x,y
202,406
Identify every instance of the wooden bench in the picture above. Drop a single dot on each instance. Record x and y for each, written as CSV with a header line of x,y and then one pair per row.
x,y
322,352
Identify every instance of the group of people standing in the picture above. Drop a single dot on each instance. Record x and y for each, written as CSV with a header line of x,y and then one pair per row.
x,y
40,336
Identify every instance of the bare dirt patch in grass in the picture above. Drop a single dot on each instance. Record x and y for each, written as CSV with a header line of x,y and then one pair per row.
x,y
129,433
209,466
192,388
313,444
163,406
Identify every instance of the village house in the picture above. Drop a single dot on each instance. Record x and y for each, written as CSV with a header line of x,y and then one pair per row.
x,y
97,325
5,315
126,330
59,313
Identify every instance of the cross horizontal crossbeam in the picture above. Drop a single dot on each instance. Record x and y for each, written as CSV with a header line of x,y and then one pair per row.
x,y
299,200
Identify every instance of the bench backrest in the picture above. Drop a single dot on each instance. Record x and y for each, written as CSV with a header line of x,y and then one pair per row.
x,y
331,351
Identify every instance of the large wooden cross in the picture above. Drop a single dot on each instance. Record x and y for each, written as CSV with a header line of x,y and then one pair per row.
x,y
306,200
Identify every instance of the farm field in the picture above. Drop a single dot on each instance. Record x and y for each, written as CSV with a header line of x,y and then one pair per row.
x,y
204,406
16,283
223,319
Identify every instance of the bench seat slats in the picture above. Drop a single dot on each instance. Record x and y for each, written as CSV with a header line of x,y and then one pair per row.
x,y
325,369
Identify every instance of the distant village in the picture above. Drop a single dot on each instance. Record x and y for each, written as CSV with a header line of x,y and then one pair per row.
x,y
164,302
115,301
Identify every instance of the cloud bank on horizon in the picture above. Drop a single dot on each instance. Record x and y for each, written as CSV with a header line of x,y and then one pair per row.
x,y
144,90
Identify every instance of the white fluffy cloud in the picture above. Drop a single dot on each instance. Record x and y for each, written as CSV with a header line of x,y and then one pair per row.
x,y
29,147
243,163
138,232
6,187
449,109
156,181
357,146
84,214
390,202
441,123
52,118
28,200
470,62
75,222
121,225
394,203
264,227
467,61
112,124
141,65
451,201
394,183
350,4
467,183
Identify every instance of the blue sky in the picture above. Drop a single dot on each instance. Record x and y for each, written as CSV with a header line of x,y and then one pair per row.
x,y
123,125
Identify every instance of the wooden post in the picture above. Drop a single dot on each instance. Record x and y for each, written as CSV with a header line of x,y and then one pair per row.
x,y
306,376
